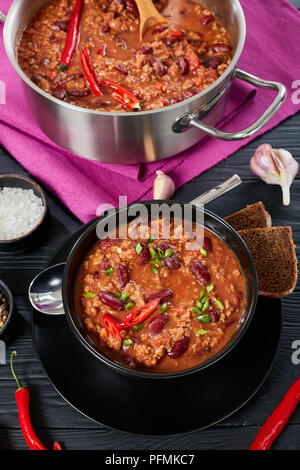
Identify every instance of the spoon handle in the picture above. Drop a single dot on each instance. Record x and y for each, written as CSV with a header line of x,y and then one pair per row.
x,y
217,191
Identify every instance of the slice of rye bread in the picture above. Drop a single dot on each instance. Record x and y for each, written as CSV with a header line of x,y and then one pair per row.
x,y
273,252
252,216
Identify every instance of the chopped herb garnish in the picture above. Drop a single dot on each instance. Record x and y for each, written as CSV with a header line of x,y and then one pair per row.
x,y
129,305
168,253
150,239
218,303
127,342
204,299
197,310
210,288
109,271
138,248
116,294
161,252
205,306
202,292
125,296
203,252
89,294
201,332
164,307
154,270
152,251
199,304
138,327
204,318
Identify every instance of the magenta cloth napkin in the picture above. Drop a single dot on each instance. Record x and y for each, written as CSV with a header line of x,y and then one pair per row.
x,y
271,52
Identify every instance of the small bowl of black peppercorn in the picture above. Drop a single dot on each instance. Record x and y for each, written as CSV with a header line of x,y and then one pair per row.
x,y
7,307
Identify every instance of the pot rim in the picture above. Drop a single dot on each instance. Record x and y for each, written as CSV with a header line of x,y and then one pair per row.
x,y
226,76
156,375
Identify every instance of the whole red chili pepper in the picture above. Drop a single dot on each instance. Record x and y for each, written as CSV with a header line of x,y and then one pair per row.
x,y
89,72
22,399
111,327
138,316
122,95
72,39
278,419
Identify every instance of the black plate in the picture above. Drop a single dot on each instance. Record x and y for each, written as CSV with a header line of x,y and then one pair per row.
x,y
168,406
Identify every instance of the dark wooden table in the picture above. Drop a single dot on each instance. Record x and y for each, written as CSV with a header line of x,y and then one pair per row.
x,y
55,419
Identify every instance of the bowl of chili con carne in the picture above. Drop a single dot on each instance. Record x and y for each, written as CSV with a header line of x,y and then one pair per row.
x,y
164,313
147,102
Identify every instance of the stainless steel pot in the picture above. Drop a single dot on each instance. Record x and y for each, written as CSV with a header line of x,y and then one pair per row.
x,y
146,136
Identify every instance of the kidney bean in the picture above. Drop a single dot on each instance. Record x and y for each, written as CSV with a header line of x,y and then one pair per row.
x,y
214,62
179,347
199,271
131,6
59,94
104,265
214,315
36,79
202,352
123,276
146,50
160,29
183,65
121,69
73,76
96,275
108,242
157,324
170,41
207,245
163,295
206,20
106,28
61,26
230,322
78,92
159,68
45,61
171,262
219,48
111,301
144,255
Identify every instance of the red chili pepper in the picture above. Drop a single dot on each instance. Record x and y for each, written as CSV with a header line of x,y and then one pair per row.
x,y
22,399
278,419
176,33
72,39
138,316
123,96
90,72
111,327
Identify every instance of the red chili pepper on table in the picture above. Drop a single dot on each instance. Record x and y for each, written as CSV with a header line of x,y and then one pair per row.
x,y
90,72
22,399
278,419
72,39
138,316
111,327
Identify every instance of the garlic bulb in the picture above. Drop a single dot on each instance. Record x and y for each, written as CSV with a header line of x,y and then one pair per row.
x,y
163,187
275,166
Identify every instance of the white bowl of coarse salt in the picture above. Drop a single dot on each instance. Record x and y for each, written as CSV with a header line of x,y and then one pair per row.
x,y
22,209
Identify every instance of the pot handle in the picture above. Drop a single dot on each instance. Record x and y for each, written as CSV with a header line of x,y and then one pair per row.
x,y
2,17
191,120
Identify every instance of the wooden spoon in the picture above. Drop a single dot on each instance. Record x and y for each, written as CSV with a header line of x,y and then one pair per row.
x,y
149,16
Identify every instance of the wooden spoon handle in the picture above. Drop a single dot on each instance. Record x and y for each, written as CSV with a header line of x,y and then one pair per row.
x,y
149,16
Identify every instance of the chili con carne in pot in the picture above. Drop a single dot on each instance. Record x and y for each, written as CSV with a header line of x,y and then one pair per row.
x,y
139,136
152,308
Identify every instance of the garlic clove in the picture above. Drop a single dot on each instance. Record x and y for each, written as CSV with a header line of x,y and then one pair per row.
x,y
275,166
163,186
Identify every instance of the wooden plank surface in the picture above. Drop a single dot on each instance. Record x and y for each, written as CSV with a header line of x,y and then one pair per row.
x,y
55,419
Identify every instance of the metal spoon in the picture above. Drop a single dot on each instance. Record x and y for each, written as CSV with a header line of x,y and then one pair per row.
x,y
45,291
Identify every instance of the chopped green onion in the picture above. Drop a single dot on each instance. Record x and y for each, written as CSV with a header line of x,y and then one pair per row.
x,y
129,305
210,288
218,303
127,342
203,252
199,304
164,307
138,248
150,239
89,294
204,318
168,253
138,327
201,332
152,251
197,310
125,296
205,306
202,292
160,252
116,294
154,270
109,271
204,299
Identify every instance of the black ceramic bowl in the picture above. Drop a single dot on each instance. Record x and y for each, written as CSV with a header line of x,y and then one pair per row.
x,y
211,222
6,329
33,237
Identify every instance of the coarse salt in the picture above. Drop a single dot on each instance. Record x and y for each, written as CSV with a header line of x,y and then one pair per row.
x,y
20,211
